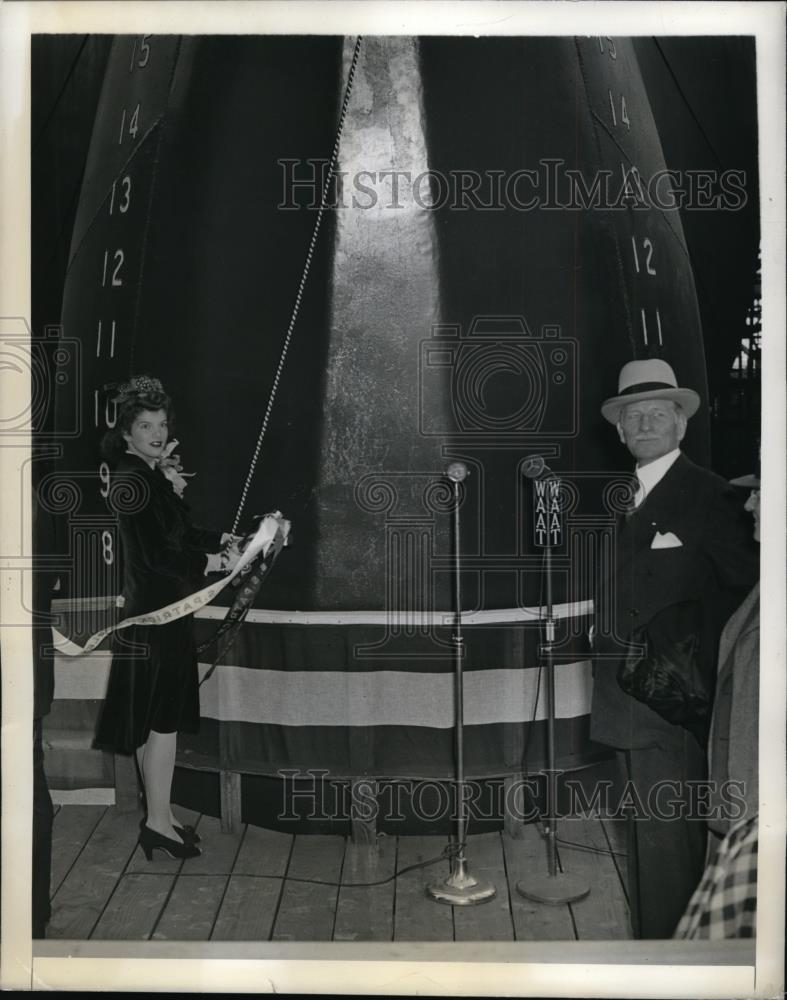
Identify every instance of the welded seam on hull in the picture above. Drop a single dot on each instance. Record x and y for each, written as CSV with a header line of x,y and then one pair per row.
x,y
151,196
680,240
74,252
53,108
685,100
618,257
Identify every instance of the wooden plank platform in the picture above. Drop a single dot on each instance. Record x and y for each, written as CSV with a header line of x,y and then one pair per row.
x,y
248,909
307,909
245,888
134,908
535,921
78,904
192,908
366,913
415,917
72,829
251,901
490,921
599,915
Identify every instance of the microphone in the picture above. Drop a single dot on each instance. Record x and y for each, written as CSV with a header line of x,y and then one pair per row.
x,y
457,472
536,468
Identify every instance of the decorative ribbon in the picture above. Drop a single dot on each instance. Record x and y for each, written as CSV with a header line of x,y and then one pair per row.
x,y
254,573
266,540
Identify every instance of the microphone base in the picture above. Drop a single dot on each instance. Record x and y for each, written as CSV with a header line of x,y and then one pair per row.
x,y
555,890
461,889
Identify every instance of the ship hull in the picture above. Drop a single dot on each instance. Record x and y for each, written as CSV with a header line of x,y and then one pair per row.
x,y
478,313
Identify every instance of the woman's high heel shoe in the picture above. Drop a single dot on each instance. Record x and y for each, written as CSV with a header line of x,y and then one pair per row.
x,y
186,833
151,841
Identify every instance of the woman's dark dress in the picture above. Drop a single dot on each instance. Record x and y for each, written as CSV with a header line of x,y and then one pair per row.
x,y
153,682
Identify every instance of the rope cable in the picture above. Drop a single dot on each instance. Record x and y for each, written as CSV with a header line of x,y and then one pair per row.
x,y
301,286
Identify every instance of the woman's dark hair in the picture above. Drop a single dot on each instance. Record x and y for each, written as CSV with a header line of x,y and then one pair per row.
x,y
128,407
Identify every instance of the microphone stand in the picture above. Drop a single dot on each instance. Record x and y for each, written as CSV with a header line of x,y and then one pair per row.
x,y
553,886
460,888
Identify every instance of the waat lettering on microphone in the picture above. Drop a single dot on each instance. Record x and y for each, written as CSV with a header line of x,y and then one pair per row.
x,y
534,467
547,523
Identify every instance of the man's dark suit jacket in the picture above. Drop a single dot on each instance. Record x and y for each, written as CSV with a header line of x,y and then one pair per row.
x,y
716,563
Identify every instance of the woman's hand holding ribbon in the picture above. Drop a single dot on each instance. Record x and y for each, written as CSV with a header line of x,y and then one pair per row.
x,y
239,548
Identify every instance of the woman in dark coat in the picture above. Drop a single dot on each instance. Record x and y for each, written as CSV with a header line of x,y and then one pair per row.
x,y
153,689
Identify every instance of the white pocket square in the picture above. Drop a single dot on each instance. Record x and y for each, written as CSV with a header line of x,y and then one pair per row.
x,y
666,541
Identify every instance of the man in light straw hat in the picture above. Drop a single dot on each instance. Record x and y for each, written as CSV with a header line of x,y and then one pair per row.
x,y
684,540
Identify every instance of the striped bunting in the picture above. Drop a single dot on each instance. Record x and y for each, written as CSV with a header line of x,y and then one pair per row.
x,y
354,698
300,692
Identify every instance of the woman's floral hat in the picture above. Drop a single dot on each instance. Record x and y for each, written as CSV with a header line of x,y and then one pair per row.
x,y
138,385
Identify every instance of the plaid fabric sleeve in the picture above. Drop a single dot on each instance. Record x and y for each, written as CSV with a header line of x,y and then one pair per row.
x,y
724,904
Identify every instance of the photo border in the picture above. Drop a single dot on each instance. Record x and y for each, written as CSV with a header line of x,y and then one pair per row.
x,y
485,969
